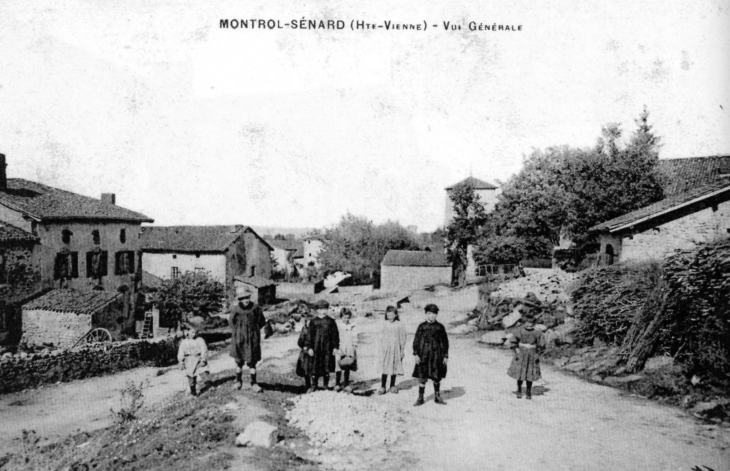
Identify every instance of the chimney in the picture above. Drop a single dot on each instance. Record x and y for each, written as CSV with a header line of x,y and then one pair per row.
x,y
109,198
3,175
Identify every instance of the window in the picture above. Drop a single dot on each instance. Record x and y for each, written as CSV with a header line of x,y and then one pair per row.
x,y
97,238
66,236
197,255
174,273
122,235
66,266
97,262
124,262
174,256
3,277
253,270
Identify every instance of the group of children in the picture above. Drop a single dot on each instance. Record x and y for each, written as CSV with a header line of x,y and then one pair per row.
x,y
328,346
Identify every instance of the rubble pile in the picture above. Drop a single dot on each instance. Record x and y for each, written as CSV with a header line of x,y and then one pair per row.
x,y
341,420
547,285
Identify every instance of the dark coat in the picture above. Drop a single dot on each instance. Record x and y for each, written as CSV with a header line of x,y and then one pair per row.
x,y
246,325
527,344
431,346
324,337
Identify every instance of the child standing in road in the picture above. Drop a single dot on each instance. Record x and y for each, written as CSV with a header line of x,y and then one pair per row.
x,y
304,363
193,358
392,347
323,344
431,351
347,359
527,343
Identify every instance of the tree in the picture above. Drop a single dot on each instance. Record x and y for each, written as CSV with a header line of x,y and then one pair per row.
x,y
357,246
563,192
464,229
189,295
277,271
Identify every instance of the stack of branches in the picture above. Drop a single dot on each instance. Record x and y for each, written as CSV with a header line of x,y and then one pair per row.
x,y
689,315
607,300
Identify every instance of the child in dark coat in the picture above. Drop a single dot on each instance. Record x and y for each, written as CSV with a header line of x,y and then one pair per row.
x,y
323,344
431,351
304,363
527,343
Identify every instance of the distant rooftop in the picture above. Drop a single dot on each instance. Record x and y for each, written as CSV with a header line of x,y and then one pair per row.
x,y
206,239
415,258
475,183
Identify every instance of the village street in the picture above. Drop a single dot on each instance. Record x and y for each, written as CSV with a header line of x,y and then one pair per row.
x,y
569,425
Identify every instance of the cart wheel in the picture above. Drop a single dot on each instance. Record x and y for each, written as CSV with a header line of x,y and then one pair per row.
x,y
99,335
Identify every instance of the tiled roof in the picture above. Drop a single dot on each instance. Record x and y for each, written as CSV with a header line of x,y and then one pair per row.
x,y
70,300
688,173
255,281
414,258
10,233
721,186
287,244
475,183
47,203
189,238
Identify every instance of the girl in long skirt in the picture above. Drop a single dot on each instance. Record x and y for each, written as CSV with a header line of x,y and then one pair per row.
x,y
392,347
304,363
527,343
348,350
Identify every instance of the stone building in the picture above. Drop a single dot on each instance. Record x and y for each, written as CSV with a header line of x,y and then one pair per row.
x,y
262,290
487,194
284,253
696,209
312,247
223,251
404,270
79,243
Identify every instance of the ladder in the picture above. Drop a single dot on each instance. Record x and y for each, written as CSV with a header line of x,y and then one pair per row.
x,y
147,327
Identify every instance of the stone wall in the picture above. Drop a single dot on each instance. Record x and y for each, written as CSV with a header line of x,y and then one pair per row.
x,y
684,233
23,371
411,278
62,329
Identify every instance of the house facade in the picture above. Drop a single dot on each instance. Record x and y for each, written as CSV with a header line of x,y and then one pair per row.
x,y
678,222
312,246
487,195
284,253
405,270
79,243
223,251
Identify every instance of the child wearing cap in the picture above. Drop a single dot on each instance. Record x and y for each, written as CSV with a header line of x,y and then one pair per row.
x,y
527,343
193,358
323,344
391,348
431,351
246,322
347,358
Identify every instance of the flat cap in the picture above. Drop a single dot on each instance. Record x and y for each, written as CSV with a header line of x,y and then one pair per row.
x,y
431,308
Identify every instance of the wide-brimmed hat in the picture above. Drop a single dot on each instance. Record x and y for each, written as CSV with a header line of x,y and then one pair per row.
x,y
431,308
243,295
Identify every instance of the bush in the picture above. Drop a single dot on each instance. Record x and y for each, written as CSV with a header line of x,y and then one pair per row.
x,y
130,402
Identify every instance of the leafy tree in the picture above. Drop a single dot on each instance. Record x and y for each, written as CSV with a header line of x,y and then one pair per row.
x,y
190,294
464,229
279,237
564,191
357,246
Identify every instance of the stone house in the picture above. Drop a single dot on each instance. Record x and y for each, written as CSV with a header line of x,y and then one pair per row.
x,y
312,246
696,209
263,290
284,253
410,270
677,222
63,316
81,243
223,251
487,194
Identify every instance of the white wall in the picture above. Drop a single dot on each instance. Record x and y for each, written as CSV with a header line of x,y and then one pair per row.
x,y
160,264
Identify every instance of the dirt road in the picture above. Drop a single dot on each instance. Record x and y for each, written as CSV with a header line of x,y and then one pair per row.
x,y
569,425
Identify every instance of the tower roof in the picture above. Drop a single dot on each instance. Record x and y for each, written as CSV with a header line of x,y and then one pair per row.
x,y
475,183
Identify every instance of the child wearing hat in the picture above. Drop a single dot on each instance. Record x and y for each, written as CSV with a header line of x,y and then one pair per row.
x,y
431,351
304,363
527,343
323,344
347,358
391,348
193,358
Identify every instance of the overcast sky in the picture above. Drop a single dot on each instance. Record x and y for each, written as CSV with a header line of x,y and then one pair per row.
x,y
192,124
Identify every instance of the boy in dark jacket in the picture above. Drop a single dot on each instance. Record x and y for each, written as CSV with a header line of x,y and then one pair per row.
x,y
246,322
323,344
431,349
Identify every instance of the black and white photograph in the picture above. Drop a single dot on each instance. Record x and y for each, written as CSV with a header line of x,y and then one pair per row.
x,y
351,236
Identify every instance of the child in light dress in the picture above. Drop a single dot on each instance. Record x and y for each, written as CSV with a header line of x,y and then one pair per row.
x,y
391,348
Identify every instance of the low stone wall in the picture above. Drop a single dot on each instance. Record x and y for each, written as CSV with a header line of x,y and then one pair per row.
x,y
30,370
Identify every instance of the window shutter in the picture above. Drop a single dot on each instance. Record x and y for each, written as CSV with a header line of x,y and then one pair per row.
x,y
74,264
117,263
104,261
89,264
57,266
130,257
